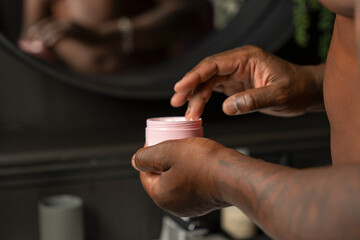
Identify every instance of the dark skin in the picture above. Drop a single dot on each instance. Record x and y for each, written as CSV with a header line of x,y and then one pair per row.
x,y
200,175
89,30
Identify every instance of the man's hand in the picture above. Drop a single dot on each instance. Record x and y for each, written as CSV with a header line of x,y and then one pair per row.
x,y
40,37
179,175
48,31
255,81
193,176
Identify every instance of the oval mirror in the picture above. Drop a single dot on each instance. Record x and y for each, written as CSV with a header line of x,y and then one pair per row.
x,y
265,23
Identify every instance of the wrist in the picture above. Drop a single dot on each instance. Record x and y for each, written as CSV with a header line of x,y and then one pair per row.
x,y
316,73
126,28
314,76
119,32
108,30
232,181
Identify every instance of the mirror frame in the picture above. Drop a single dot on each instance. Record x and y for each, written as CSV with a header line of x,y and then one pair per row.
x,y
265,23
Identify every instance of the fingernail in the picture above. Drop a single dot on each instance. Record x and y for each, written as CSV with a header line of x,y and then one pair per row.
x,y
133,162
172,99
187,114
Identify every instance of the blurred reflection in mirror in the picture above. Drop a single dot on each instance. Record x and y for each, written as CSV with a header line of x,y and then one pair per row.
x,y
106,36
225,11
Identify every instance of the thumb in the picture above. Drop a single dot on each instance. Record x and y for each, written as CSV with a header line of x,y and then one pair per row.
x,y
252,100
152,159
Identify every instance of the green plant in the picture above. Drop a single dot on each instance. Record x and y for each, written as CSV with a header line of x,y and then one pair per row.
x,y
303,10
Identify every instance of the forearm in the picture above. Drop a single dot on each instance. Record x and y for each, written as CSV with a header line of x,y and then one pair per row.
x,y
89,58
34,11
170,17
320,203
161,26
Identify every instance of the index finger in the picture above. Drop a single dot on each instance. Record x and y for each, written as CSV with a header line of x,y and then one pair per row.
x,y
202,72
222,64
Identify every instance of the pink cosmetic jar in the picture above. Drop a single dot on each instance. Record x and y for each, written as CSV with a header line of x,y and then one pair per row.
x,y
171,128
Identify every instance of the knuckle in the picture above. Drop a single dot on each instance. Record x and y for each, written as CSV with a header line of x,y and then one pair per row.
x,y
199,98
251,48
208,60
257,51
188,74
282,96
162,198
245,102
282,99
158,199
255,48
251,52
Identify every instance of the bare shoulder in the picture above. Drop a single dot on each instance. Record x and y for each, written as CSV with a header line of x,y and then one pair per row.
x,y
342,7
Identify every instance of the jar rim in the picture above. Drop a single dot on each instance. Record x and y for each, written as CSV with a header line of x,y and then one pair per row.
x,y
173,122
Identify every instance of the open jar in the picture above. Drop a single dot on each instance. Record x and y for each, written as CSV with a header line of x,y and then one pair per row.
x,y
170,128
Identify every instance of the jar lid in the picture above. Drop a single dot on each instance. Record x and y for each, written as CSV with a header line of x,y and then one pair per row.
x,y
173,123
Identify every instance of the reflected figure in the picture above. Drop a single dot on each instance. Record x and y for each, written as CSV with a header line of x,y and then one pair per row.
x,y
106,36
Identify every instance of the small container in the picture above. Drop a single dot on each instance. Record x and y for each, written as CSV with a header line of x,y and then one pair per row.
x,y
171,128
61,217
235,223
